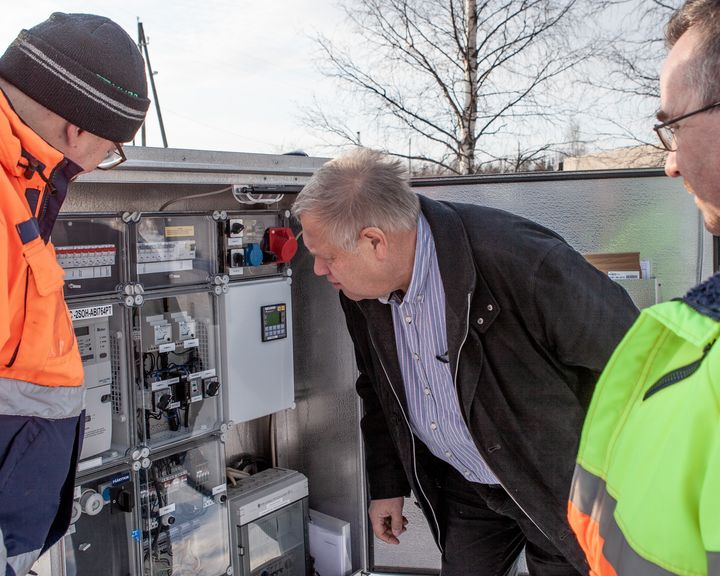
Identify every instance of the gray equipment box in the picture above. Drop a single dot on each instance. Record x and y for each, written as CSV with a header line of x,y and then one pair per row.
x,y
268,515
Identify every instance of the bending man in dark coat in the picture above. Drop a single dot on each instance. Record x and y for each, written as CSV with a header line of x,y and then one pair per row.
x,y
479,336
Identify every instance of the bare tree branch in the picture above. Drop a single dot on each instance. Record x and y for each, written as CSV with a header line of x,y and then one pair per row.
x,y
452,73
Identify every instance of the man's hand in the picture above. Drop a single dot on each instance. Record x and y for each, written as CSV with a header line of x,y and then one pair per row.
x,y
387,520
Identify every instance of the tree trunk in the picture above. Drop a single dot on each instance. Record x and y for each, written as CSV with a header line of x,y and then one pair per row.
x,y
469,115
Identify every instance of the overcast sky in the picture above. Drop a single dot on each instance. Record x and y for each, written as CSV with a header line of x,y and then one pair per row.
x,y
236,74
231,74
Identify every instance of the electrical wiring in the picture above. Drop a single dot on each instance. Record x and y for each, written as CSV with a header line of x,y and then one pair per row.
x,y
246,195
233,474
204,194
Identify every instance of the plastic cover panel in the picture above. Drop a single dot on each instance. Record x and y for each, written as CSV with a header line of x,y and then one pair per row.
x,y
277,542
176,383
173,250
100,330
99,541
91,250
184,513
257,348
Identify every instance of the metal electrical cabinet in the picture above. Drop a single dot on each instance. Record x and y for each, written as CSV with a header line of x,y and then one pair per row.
x,y
148,295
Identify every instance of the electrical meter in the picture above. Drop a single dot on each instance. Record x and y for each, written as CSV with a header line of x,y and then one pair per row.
x,y
100,334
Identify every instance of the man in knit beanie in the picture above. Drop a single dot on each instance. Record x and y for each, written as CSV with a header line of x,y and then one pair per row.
x,y
72,90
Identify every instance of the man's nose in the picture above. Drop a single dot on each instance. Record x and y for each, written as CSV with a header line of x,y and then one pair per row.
x,y
320,268
671,167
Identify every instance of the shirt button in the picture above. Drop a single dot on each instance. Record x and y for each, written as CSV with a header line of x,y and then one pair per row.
x,y
408,319
490,307
433,426
420,298
416,356
467,473
427,391
448,453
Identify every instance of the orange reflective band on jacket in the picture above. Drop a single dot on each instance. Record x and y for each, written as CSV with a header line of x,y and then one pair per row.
x,y
591,514
37,341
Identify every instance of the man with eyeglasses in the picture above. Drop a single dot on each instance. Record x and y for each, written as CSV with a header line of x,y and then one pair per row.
x,y
72,89
645,497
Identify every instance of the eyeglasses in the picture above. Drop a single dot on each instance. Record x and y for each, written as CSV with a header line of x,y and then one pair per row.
x,y
114,158
666,132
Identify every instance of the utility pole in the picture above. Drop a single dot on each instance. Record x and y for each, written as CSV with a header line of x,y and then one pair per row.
x,y
143,44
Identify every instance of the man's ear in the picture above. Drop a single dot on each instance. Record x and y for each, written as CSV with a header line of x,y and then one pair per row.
x,y
72,134
376,239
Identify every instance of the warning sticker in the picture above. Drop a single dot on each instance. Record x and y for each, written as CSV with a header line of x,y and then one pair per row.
x,y
177,231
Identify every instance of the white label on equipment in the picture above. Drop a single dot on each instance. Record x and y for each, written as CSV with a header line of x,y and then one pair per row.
x,y
169,509
218,489
167,347
194,343
624,275
204,374
103,311
87,464
162,384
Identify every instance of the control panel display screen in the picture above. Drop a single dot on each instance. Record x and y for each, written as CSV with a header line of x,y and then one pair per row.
x,y
274,322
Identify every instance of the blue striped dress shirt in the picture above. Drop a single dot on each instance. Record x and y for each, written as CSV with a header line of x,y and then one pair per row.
x,y
421,340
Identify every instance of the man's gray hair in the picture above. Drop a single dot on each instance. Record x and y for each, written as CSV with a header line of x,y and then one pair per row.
x,y
361,189
704,72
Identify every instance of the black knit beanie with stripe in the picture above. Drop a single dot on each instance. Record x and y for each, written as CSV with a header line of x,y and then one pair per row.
x,y
86,69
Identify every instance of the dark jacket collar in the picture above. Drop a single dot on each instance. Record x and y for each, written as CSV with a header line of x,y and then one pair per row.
x,y
705,297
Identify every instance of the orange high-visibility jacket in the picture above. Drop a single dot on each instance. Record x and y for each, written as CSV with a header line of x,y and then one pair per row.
x,y
37,342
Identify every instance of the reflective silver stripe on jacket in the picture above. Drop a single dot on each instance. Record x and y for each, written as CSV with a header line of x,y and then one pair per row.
x,y
589,494
20,398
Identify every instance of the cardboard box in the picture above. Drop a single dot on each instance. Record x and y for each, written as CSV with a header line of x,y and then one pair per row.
x,y
617,265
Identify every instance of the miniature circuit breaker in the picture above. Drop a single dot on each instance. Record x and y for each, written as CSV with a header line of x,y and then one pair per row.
x,y
91,249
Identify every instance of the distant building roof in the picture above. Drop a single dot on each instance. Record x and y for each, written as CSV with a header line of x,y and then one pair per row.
x,y
644,156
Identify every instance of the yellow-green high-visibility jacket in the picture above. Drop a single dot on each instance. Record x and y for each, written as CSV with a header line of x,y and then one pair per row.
x,y
645,497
